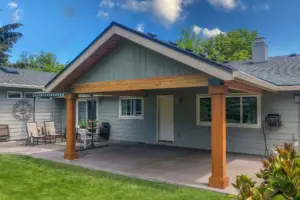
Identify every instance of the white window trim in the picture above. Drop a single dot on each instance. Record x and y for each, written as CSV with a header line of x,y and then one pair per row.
x,y
86,108
15,92
41,99
130,117
28,93
238,125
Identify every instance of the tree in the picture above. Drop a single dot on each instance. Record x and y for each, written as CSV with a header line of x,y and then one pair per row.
x,y
44,61
234,45
7,39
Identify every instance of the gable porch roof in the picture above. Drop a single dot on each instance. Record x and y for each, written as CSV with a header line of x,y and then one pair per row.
x,y
115,33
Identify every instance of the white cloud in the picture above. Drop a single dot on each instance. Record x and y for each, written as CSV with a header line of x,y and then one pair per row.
x,y
166,11
12,5
136,5
197,29
17,15
140,27
102,13
207,33
261,7
226,4
107,3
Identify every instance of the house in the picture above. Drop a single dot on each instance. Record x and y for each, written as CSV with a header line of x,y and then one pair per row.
x,y
153,92
17,85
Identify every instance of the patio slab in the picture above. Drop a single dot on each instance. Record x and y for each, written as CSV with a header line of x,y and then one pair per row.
x,y
182,166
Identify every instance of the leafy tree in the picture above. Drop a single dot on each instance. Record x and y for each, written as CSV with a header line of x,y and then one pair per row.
x,y
234,45
44,61
8,37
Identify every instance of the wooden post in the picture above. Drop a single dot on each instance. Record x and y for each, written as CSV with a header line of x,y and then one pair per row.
x,y
70,152
218,178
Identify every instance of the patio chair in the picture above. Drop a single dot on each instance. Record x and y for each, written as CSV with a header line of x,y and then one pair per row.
x,y
51,130
84,137
32,133
4,132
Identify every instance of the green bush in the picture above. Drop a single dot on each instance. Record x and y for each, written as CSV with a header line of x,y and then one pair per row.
x,y
280,177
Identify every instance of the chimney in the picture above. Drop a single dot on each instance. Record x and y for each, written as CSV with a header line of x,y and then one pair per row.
x,y
259,50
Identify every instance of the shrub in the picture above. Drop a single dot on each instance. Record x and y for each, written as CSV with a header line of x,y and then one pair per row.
x,y
280,177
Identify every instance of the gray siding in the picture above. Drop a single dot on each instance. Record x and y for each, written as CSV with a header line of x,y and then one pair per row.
x,y
44,110
131,61
187,134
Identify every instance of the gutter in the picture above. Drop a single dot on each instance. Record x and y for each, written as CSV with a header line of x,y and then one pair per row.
x,y
21,86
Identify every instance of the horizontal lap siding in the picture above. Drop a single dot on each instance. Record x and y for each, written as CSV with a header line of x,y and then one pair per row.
x,y
43,110
187,134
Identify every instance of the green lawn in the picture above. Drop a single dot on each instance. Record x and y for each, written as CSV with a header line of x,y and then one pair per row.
x,y
24,177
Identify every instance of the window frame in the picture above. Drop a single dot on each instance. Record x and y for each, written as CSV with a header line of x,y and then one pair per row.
x,y
238,125
28,93
86,108
15,92
131,116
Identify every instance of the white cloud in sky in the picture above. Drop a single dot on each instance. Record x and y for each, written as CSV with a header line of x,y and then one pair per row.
x,y
17,13
226,4
12,5
166,11
140,27
102,13
197,29
136,5
261,7
107,3
207,33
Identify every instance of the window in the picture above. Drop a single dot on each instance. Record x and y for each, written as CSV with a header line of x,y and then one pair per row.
x,y
241,111
131,108
45,98
28,95
14,95
86,110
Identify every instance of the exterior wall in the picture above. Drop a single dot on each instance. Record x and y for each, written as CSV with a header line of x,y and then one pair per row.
x,y
188,134
44,110
131,61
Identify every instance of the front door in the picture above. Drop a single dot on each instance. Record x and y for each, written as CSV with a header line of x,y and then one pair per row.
x,y
165,118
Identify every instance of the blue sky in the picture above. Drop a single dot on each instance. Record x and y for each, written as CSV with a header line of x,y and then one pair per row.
x,y
65,27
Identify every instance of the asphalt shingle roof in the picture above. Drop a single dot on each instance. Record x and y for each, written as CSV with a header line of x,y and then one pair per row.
x,y
279,70
26,77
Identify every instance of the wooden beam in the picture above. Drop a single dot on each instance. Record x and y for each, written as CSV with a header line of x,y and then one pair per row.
x,y
126,93
218,178
235,85
70,153
192,80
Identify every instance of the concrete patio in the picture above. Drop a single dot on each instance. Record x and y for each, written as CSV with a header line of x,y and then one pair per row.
x,y
182,166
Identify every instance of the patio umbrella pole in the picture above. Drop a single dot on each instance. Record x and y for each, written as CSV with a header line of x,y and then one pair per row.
x,y
93,112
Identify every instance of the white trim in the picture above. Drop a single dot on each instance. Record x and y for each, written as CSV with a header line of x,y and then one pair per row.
x,y
255,81
238,125
41,98
131,117
157,117
28,93
86,108
21,86
14,92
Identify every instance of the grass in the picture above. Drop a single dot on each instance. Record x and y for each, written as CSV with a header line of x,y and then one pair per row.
x,y
23,177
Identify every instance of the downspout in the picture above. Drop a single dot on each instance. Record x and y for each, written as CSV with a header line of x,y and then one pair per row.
x,y
33,112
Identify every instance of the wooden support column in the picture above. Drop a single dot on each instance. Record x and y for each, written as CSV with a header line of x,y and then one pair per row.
x,y
70,152
218,136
